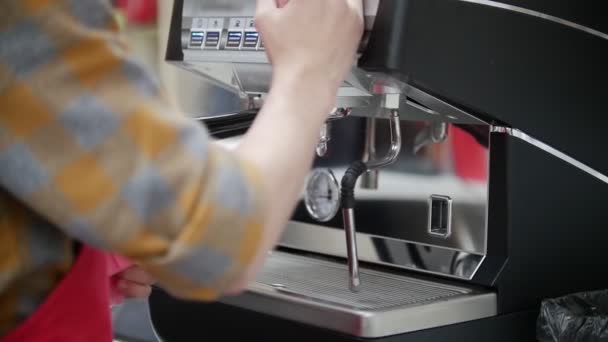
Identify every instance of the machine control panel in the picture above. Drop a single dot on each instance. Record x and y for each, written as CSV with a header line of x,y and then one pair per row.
x,y
221,33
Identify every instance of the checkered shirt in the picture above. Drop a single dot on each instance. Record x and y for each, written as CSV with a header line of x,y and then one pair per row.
x,y
91,151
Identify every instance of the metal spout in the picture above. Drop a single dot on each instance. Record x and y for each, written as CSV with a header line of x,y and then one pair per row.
x,y
348,215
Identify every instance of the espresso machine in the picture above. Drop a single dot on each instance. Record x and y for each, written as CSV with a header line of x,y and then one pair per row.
x,y
460,179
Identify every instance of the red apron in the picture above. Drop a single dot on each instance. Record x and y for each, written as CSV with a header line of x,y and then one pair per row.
x,y
78,309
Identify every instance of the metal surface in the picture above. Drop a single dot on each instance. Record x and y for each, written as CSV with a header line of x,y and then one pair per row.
x,y
392,220
398,208
436,132
311,291
540,15
350,228
433,106
381,250
551,150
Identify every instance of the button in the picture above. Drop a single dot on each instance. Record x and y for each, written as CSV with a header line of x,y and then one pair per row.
x,y
234,40
199,24
250,24
196,38
216,24
251,40
237,24
213,40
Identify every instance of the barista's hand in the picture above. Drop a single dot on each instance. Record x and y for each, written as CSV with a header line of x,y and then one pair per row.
x,y
134,283
313,40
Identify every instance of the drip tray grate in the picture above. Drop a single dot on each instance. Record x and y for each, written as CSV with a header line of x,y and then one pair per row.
x,y
328,282
315,292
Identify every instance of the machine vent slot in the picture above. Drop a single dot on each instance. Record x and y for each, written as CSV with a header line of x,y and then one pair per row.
x,y
440,216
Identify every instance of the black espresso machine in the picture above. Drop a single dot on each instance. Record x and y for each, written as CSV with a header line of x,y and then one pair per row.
x,y
460,179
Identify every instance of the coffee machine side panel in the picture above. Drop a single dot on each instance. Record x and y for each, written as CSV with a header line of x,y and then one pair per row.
x,y
556,219
497,214
539,73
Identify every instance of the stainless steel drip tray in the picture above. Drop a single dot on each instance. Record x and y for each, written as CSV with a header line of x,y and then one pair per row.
x,y
315,292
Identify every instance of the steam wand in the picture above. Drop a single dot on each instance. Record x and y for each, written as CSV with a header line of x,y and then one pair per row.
x,y
349,181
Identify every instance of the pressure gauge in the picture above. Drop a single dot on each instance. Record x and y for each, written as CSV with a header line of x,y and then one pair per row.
x,y
322,195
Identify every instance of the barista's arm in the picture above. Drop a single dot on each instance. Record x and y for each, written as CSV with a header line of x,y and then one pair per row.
x,y
307,71
89,143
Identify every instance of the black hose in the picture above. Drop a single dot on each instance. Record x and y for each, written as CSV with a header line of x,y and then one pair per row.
x,y
349,180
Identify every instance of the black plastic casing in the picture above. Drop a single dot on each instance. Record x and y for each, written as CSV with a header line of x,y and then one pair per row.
x,y
547,222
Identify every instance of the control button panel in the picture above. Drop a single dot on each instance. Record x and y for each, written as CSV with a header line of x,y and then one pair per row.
x,y
196,39
234,40
251,40
215,33
213,40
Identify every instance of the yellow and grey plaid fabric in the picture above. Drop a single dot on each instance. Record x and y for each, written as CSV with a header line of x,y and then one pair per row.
x,y
90,151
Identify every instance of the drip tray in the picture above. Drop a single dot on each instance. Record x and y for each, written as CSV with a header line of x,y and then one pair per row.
x,y
315,292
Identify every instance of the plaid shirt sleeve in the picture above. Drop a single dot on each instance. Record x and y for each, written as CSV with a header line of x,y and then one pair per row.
x,y
88,142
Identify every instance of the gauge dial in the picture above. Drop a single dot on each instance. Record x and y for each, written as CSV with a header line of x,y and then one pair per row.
x,y
322,195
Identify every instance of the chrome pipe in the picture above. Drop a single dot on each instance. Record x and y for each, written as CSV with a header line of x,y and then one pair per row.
x,y
348,216
395,147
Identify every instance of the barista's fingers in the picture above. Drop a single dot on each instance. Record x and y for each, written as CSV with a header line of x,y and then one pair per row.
x,y
356,5
133,290
281,3
265,6
138,275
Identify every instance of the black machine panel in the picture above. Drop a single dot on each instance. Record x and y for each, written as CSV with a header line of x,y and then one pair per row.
x,y
543,77
590,13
